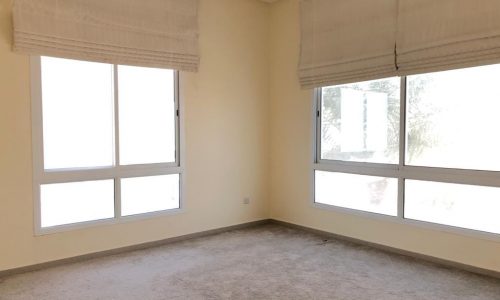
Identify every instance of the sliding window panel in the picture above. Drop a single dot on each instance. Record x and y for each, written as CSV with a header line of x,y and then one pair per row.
x,y
359,192
452,119
77,113
360,121
147,115
74,202
466,206
149,194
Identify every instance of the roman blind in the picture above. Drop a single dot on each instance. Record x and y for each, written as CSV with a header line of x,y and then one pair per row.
x,y
155,33
346,41
447,34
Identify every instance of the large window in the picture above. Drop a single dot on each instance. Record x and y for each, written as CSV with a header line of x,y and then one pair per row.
x,y
105,142
421,147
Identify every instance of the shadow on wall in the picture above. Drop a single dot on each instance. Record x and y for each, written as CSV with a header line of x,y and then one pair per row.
x,y
6,22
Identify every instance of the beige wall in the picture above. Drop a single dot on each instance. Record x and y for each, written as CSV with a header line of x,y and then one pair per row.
x,y
248,133
226,126
291,139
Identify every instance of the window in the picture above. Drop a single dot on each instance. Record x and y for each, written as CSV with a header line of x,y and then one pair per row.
x,y
106,142
420,148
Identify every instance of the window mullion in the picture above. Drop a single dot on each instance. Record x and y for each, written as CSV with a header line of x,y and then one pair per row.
x,y
402,147
116,120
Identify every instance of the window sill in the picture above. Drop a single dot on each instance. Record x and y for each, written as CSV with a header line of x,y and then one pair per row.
x,y
105,222
471,233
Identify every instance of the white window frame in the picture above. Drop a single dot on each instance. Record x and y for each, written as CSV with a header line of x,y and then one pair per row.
x,y
115,172
399,171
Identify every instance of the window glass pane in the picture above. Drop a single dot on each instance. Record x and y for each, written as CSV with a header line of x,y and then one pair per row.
x,y
368,193
147,115
149,194
65,203
453,119
360,121
77,101
467,206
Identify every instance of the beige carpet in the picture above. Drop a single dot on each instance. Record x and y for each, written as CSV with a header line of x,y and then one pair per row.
x,y
264,262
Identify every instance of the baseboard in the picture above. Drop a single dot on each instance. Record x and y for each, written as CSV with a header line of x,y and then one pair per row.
x,y
431,259
120,250
84,257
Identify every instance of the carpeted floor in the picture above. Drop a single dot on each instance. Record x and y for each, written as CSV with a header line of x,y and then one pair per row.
x,y
264,262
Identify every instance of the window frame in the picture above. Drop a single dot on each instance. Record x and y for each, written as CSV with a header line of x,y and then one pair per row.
x,y
115,172
400,171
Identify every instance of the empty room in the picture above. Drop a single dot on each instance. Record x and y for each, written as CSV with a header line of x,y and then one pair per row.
x,y
249,149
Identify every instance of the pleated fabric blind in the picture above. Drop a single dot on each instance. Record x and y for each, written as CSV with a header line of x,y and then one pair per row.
x,y
155,33
346,41
355,40
447,34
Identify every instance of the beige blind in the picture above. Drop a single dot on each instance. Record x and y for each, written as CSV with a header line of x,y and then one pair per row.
x,y
346,41
156,33
447,34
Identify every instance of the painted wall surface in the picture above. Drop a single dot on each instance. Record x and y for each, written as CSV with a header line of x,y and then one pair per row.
x,y
248,130
291,159
226,130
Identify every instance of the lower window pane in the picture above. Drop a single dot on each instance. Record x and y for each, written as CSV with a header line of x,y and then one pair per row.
x,y
66,203
149,194
466,206
367,193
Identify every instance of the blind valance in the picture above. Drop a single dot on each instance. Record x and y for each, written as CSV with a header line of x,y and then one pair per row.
x,y
447,34
346,40
155,33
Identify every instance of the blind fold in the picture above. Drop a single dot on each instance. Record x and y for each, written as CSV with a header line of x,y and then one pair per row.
x,y
346,41
447,34
155,33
